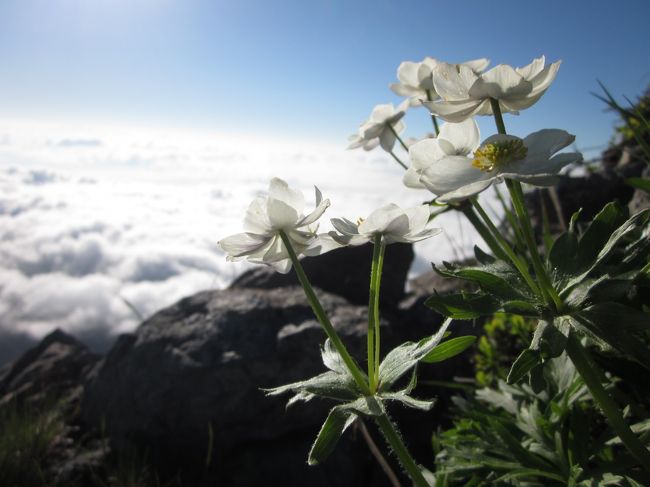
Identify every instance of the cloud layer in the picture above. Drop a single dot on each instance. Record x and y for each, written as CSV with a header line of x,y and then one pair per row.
x,y
102,227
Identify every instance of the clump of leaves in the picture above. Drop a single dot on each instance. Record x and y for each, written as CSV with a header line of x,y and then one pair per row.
x,y
505,336
511,435
597,274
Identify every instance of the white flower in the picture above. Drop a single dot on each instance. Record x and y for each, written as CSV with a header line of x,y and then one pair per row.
x,y
529,160
463,93
281,210
377,129
455,139
415,79
390,221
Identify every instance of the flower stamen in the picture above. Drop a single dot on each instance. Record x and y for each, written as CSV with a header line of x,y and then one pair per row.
x,y
488,157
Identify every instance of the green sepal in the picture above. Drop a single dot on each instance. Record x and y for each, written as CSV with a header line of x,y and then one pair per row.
x,y
640,183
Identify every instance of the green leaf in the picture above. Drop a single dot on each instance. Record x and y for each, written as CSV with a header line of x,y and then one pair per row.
x,y
482,257
338,420
404,357
498,278
524,363
523,308
463,306
640,183
615,333
449,349
618,316
597,234
328,384
401,396
562,255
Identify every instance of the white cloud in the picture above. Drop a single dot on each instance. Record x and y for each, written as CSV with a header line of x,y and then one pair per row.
x,y
90,218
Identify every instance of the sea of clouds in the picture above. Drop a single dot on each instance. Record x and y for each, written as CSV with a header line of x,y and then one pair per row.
x,y
103,226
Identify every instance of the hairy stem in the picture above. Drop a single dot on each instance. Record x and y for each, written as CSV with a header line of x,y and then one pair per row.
x,y
395,441
321,315
588,371
517,195
373,307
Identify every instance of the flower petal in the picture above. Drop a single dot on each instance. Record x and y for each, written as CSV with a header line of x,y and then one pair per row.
x,y
465,192
452,82
547,142
424,153
464,137
256,219
477,65
455,111
314,215
501,81
531,70
411,178
243,244
280,190
322,244
451,173
345,226
387,139
407,73
281,215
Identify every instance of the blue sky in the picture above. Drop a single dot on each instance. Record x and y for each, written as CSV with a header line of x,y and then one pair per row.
x,y
303,69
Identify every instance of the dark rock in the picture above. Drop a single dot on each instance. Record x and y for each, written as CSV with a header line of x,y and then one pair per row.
x,y
52,370
199,366
344,272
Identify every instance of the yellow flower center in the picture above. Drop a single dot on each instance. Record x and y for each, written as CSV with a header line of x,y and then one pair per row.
x,y
490,156
360,221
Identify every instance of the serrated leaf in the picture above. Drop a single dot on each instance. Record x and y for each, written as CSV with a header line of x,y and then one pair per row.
x,y
463,306
338,420
449,349
404,357
522,365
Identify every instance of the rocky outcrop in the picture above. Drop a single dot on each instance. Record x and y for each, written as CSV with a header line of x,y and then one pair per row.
x,y
189,382
53,370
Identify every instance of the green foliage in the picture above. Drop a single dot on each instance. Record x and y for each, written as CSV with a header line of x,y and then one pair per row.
x,y
25,437
511,435
596,273
505,336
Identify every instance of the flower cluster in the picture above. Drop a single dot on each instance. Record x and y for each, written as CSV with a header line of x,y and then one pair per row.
x,y
281,212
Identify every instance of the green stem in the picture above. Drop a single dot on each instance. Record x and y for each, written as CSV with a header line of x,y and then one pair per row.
x,y
323,319
395,441
397,159
517,195
498,117
392,129
483,232
375,285
433,117
518,263
588,371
